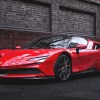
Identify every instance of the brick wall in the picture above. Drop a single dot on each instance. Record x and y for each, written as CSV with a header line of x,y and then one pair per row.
x,y
23,20
25,15
12,38
79,22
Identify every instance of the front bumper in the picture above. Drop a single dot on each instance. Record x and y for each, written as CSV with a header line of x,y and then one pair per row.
x,y
21,73
22,76
27,71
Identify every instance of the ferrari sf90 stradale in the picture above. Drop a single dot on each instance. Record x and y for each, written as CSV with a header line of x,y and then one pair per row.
x,y
51,56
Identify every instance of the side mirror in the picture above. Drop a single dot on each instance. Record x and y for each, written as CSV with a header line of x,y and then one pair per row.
x,y
80,46
18,47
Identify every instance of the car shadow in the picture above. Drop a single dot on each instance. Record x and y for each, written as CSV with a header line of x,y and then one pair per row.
x,y
47,81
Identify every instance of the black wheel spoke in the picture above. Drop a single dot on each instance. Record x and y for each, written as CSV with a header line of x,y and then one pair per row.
x,y
60,69
60,64
61,73
66,61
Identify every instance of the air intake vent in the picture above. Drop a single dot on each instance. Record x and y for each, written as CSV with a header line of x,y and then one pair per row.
x,y
25,71
4,71
21,71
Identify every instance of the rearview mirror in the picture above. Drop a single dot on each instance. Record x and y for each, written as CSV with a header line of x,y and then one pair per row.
x,y
80,46
18,47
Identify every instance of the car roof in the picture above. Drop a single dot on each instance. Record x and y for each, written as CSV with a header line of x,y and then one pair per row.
x,y
93,38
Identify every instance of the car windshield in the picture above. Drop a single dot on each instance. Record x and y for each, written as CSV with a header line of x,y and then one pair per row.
x,y
48,42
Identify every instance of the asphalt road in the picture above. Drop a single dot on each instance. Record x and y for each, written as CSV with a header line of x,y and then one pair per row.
x,y
78,87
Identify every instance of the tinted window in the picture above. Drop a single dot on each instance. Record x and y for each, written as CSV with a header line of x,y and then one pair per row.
x,y
77,40
49,42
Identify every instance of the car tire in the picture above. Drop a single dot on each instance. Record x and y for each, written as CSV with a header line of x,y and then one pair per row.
x,y
63,67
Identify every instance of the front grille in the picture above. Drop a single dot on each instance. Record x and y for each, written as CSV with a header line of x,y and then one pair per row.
x,y
21,71
4,71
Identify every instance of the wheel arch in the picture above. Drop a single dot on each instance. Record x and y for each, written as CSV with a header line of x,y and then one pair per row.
x,y
66,53
69,56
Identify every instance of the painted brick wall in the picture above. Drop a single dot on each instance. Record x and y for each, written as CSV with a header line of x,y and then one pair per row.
x,y
23,20
31,16
71,21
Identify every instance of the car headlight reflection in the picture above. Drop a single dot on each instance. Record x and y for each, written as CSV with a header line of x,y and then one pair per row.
x,y
39,59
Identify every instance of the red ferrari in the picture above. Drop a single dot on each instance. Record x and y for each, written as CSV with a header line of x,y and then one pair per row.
x,y
51,56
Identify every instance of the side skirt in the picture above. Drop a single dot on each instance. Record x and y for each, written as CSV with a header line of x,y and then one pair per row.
x,y
86,71
49,77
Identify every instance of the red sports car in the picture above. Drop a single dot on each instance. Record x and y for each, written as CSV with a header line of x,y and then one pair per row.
x,y
51,56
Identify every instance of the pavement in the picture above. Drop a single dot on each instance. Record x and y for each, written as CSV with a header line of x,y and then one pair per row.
x,y
78,87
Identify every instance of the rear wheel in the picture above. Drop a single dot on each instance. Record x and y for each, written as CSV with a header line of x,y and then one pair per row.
x,y
63,67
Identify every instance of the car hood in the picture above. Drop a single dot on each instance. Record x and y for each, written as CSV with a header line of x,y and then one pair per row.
x,y
20,57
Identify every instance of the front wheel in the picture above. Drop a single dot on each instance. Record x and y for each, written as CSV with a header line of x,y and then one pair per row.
x,y
63,67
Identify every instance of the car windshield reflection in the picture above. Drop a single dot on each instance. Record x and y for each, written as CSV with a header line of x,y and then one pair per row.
x,y
48,42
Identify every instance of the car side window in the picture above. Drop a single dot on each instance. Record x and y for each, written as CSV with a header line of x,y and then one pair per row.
x,y
77,40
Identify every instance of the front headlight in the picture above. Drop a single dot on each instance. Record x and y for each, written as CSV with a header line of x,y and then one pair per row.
x,y
39,59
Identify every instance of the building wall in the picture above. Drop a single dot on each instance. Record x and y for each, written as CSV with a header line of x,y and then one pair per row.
x,y
23,20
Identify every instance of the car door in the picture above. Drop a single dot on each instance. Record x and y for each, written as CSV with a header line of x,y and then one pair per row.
x,y
86,57
97,48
